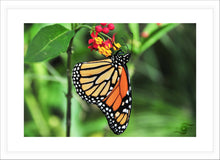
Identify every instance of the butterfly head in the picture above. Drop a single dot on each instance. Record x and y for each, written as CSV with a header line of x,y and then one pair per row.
x,y
121,58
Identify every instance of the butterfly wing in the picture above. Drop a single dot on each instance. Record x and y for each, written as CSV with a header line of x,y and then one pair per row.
x,y
101,83
117,105
94,80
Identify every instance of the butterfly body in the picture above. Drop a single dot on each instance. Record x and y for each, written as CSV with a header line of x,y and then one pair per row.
x,y
106,83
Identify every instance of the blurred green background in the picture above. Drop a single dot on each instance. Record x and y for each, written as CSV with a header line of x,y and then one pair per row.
x,y
163,80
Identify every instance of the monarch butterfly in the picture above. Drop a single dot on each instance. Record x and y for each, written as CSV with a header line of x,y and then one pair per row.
x,y
106,83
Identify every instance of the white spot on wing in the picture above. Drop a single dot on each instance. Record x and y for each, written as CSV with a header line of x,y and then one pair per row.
x,y
125,110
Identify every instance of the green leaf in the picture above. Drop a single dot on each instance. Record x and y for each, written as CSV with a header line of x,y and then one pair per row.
x,y
49,42
156,35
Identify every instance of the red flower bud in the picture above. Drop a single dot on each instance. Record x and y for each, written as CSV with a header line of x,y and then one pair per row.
x,y
103,24
159,24
144,34
111,26
105,30
91,41
98,29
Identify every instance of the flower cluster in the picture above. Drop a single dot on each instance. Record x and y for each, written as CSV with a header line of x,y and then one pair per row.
x,y
102,45
104,29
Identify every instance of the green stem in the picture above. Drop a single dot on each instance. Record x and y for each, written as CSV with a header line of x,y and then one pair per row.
x,y
69,93
102,37
103,34
83,26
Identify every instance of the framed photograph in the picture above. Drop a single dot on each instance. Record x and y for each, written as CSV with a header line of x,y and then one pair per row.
x,y
84,79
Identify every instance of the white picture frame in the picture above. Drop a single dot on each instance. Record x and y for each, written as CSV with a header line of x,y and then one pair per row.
x,y
15,13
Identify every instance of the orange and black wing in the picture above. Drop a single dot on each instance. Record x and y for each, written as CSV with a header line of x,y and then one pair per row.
x,y
108,86
94,80
117,105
